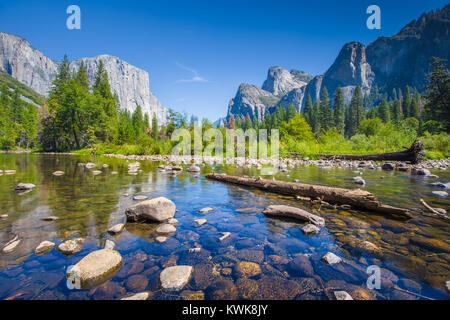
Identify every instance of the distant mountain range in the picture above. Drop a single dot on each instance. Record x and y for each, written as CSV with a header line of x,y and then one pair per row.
x,y
388,63
32,68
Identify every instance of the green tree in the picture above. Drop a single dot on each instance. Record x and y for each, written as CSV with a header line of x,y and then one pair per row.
x,y
325,115
384,112
437,107
338,109
406,102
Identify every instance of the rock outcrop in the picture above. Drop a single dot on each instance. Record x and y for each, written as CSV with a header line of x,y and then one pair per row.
x,y
32,68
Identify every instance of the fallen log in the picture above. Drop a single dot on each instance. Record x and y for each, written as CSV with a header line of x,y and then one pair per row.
x,y
413,154
356,198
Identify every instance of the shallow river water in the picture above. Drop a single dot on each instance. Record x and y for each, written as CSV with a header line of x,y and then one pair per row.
x,y
413,255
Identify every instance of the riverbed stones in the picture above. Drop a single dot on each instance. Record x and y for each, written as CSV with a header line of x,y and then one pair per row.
x,y
70,247
225,235
137,282
25,186
359,180
58,173
246,269
342,295
154,210
44,247
166,228
302,266
175,278
422,172
96,268
206,210
96,172
295,213
109,244
116,228
434,245
310,230
11,246
222,290
330,258
49,218
138,296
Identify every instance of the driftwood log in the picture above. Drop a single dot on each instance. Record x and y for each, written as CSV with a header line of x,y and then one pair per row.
x,y
356,198
295,213
413,154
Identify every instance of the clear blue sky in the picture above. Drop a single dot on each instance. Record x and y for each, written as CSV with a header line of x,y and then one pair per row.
x,y
198,52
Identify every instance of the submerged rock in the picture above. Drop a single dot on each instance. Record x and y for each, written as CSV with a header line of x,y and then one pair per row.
x,y
331,258
302,266
342,295
138,296
310,230
44,247
206,210
175,278
200,222
224,236
246,269
11,246
295,213
116,228
25,186
166,229
95,269
222,290
70,247
435,245
154,210
193,169
109,244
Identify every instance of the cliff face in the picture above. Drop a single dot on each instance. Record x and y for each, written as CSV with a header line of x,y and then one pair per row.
x,y
280,81
404,58
32,68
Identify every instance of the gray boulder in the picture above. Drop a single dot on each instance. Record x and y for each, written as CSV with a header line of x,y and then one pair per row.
x,y
154,210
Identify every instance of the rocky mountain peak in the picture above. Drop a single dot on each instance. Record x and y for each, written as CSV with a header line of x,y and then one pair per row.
x,y
280,81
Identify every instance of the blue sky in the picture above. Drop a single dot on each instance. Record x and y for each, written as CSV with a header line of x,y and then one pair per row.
x,y
198,52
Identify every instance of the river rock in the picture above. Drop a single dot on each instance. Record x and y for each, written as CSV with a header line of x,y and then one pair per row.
x,y
44,247
140,198
435,245
245,269
49,218
172,221
116,228
138,296
96,268
166,228
200,222
422,172
224,236
206,210
90,165
154,210
11,246
302,266
70,247
441,194
96,172
342,295
25,186
161,239
137,282
292,212
359,180
193,169
310,230
222,290
388,166
331,258
58,173
175,278
109,244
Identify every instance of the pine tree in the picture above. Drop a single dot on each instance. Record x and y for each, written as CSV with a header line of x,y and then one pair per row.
x,y
308,110
396,114
155,128
406,102
338,107
355,112
437,107
315,123
326,120
291,112
384,112
82,76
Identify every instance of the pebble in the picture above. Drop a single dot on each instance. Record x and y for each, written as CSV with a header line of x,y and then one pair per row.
x,y
331,258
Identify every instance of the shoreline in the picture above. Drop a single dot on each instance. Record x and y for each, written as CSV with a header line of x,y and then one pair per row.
x,y
281,163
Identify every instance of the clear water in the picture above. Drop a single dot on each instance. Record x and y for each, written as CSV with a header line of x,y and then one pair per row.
x,y
88,205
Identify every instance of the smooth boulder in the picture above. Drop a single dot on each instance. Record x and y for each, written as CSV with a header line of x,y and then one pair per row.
x,y
116,228
70,247
25,186
295,213
44,247
175,278
154,210
95,269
